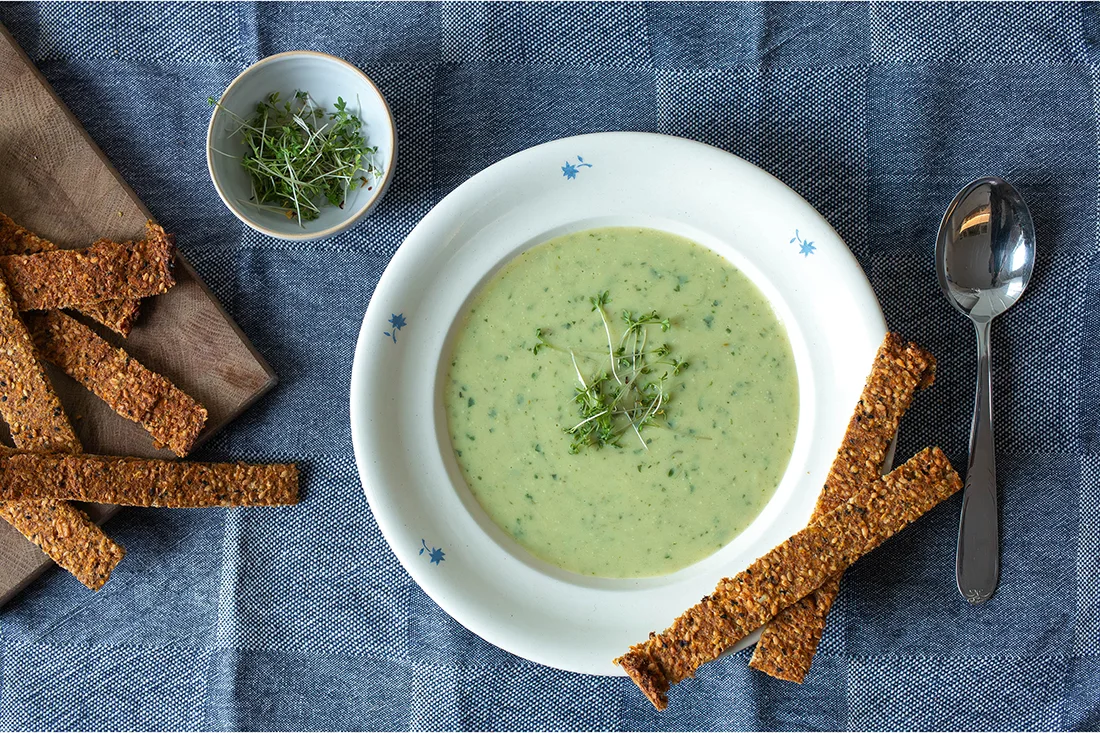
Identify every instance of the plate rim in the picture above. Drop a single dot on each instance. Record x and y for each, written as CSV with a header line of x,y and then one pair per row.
x,y
358,419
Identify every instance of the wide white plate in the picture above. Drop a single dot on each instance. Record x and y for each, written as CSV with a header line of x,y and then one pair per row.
x,y
471,568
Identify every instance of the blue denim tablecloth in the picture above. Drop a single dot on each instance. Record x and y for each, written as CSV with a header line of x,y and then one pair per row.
x,y
877,114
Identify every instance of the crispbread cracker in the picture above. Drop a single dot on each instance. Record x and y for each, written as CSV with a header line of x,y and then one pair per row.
x,y
172,417
106,271
175,421
16,240
37,422
146,482
787,644
789,572
67,536
117,315
27,400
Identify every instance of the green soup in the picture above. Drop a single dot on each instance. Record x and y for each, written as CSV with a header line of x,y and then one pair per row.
x,y
717,430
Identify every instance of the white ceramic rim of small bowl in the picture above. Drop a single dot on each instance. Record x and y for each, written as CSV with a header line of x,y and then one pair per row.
x,y
440,263
353,217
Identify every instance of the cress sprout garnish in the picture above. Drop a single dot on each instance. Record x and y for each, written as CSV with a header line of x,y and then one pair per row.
x,y
634,395
299,156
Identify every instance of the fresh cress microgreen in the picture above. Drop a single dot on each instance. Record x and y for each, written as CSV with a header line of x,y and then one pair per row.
x,y
300,156
634,394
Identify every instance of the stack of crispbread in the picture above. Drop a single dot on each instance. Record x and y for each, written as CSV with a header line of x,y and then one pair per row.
x,y
789,591
105,282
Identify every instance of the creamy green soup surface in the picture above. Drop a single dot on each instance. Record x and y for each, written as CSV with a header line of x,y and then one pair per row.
x,y
714,451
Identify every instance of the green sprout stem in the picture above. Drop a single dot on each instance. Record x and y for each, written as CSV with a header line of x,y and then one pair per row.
x,y
299,157
634,396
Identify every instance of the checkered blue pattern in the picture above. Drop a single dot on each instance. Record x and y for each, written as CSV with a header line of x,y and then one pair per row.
x,y
303,619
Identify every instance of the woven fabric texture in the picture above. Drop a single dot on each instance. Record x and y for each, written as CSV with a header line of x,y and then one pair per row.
x,y
302,618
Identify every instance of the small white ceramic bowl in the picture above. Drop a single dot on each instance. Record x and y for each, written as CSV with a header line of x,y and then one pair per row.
x,y
325,78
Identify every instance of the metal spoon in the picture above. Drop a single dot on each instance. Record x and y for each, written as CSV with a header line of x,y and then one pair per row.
x,y
985,253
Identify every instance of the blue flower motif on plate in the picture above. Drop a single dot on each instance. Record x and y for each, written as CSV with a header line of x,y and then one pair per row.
x,y
397,321
435,554
570,171
805,247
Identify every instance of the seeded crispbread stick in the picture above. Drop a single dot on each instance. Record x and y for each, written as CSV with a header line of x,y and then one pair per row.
x,y
27,400
74,278
146,482
67,536
117,315
172,417
175,421
789,572
787,644
37,422
17,240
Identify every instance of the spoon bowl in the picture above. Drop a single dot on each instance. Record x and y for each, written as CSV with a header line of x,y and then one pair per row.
x,y
985,253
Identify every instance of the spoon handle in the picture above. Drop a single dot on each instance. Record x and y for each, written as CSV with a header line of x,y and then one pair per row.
x,y
978,562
